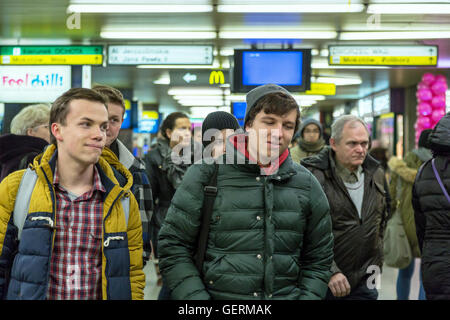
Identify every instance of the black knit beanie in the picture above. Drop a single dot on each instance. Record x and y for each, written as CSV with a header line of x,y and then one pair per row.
x,y
423,139
219,120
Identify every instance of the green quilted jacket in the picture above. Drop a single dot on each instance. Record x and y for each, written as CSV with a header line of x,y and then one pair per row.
x,y
270,236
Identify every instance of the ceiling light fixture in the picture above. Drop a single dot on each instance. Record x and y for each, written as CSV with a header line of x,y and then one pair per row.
x,y
289,8
278,34
391,35
410,8
138,8
160,35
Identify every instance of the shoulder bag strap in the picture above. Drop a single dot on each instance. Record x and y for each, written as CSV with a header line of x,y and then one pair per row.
x,y
210,192
440,181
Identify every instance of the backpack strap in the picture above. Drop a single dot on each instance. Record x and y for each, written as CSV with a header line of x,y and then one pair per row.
x,y
438,178
210,193
23,197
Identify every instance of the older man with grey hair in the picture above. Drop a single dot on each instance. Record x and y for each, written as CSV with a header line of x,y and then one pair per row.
x,y
355,186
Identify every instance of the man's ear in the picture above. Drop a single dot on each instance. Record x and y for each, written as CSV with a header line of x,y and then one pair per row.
x,y
56,131
29,131
333,144
248,125
169,133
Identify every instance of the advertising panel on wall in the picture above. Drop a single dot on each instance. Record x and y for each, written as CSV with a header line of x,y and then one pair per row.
x,y
32,84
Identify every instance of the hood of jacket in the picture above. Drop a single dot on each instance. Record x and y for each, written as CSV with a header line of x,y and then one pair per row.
x,y
309,121
16,146
440,136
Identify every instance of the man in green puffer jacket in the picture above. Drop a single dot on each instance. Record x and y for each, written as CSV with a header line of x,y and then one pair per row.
x,y
270,231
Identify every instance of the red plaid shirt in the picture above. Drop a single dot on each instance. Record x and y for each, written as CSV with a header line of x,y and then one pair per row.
x,y
76,263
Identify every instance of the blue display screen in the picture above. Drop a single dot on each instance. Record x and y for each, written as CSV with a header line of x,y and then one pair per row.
x,y
239,109
262,67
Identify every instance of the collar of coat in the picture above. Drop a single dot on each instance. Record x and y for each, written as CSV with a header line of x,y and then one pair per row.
x,y
45,163
322,161
126,157
280,170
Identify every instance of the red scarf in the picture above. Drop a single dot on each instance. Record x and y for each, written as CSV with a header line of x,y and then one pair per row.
x,y
266,170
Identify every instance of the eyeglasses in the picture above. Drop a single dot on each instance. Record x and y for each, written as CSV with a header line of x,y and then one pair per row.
x,y
45,126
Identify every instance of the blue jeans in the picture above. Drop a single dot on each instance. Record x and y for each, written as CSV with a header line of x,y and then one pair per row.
x,y
404,283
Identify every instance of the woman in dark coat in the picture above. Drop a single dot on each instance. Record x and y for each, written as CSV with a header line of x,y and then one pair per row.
x,y
29,135
431,202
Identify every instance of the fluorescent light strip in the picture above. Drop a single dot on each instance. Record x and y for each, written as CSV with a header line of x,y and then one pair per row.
x,y
203,103
163,35
338,81
137,8
202,97
402,35
289,8
183,91
310,97
278,34
408,8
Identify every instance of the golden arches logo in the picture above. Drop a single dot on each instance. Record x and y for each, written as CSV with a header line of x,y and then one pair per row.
x,y
216,77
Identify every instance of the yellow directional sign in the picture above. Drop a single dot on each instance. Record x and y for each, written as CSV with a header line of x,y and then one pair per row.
x,y
48,60
382,61
323,89
383,55
51,55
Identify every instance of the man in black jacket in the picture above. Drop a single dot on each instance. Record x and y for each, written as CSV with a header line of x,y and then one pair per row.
x,y
355,185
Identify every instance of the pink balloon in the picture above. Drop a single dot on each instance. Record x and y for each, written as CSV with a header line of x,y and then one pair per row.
x,y
422,85
428,78
437,114
440,78
433,123
424,123
424,109
424,94
439,87
438,102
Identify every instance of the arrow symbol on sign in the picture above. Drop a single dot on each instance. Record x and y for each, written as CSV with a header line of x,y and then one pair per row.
x,y
189,77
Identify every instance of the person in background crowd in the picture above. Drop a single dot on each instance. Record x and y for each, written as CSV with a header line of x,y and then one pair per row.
x,y
431,203
165,173
29,136
354,183
141,186
380,154
270,231
403,176
222,121
76,243
310,140
197,134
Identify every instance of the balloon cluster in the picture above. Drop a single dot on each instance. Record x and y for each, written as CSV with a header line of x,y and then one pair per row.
x,y
430,102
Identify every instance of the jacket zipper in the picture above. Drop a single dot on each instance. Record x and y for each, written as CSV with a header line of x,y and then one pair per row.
x,y
103,236
53,194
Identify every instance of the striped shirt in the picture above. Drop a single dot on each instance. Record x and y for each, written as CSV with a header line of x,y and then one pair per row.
x,y
76,262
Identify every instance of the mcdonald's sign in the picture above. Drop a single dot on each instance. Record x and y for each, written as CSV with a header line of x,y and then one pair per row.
x,y
216,77
199,77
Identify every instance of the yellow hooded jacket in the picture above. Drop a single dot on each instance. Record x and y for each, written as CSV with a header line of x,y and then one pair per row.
x,y
122,274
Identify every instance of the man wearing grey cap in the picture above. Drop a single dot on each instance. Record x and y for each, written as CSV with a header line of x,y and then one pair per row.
x,y
270,233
